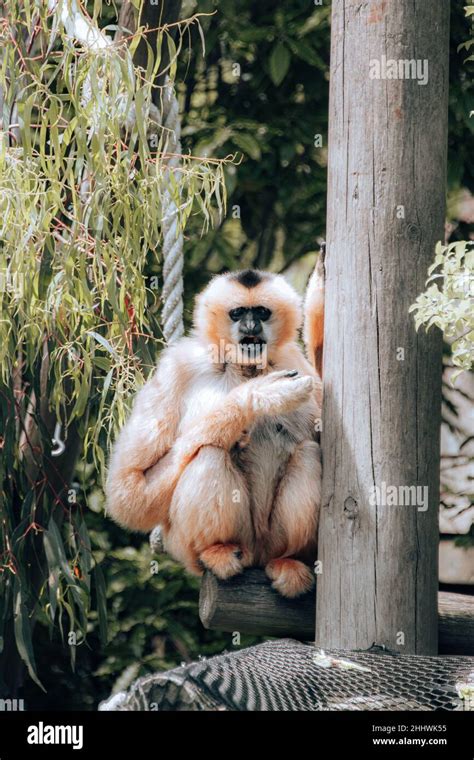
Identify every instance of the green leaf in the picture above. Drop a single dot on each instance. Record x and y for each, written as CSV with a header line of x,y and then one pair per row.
x,y
102,362
248,144
54,571
302,49
57,547
279,63
101,603
103,342
85,552
22,626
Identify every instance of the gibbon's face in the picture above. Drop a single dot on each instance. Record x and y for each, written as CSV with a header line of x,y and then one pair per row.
x,y
248,315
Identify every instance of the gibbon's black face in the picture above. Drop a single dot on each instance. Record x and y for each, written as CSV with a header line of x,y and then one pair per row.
x,y
249,321
252,314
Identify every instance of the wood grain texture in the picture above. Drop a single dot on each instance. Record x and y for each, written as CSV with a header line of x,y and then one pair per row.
x,y
248,604
386,202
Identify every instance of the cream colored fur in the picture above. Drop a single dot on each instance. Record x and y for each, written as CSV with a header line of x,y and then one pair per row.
x,y
224,455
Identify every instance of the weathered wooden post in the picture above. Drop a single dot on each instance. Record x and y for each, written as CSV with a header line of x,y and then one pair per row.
x,y
386,199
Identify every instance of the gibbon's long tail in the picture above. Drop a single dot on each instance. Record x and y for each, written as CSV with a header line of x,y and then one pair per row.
x,y
313,331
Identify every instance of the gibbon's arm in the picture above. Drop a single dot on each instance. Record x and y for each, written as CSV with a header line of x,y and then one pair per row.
x,y
148,457
222,428
273,394
145,440
314,316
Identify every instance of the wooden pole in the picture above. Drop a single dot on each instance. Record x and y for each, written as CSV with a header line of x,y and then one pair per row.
x,y
382,381
248,604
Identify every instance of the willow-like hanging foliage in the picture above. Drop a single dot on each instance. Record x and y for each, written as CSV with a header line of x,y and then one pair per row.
x,y
82,178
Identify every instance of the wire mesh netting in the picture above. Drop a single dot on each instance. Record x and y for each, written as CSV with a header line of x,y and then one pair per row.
x,y
290,675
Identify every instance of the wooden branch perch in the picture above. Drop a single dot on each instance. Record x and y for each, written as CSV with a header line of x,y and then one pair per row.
x,y
248,604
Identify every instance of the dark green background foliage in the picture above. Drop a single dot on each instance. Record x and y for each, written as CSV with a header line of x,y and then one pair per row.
x,y
269,114
461,103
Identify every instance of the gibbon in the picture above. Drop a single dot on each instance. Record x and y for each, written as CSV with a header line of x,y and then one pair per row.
x,y
221,446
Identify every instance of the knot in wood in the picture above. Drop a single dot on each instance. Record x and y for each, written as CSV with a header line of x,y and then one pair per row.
x,y
413,232
351,508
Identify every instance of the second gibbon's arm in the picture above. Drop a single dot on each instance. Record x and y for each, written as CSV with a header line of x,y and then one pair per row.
x,y
314,316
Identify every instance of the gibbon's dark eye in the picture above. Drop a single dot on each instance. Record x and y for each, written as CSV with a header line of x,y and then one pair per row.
x,y
262,313
236,314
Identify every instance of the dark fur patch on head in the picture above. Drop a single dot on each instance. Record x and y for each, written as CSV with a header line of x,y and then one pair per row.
x,y
249,278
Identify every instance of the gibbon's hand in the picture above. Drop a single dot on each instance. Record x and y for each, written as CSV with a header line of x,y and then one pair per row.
x,y
273,394
277,393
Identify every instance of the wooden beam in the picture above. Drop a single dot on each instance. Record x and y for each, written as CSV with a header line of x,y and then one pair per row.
x,y
248,604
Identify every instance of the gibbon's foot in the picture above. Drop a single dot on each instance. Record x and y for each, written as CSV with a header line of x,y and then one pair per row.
x,y
225,560
290,576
